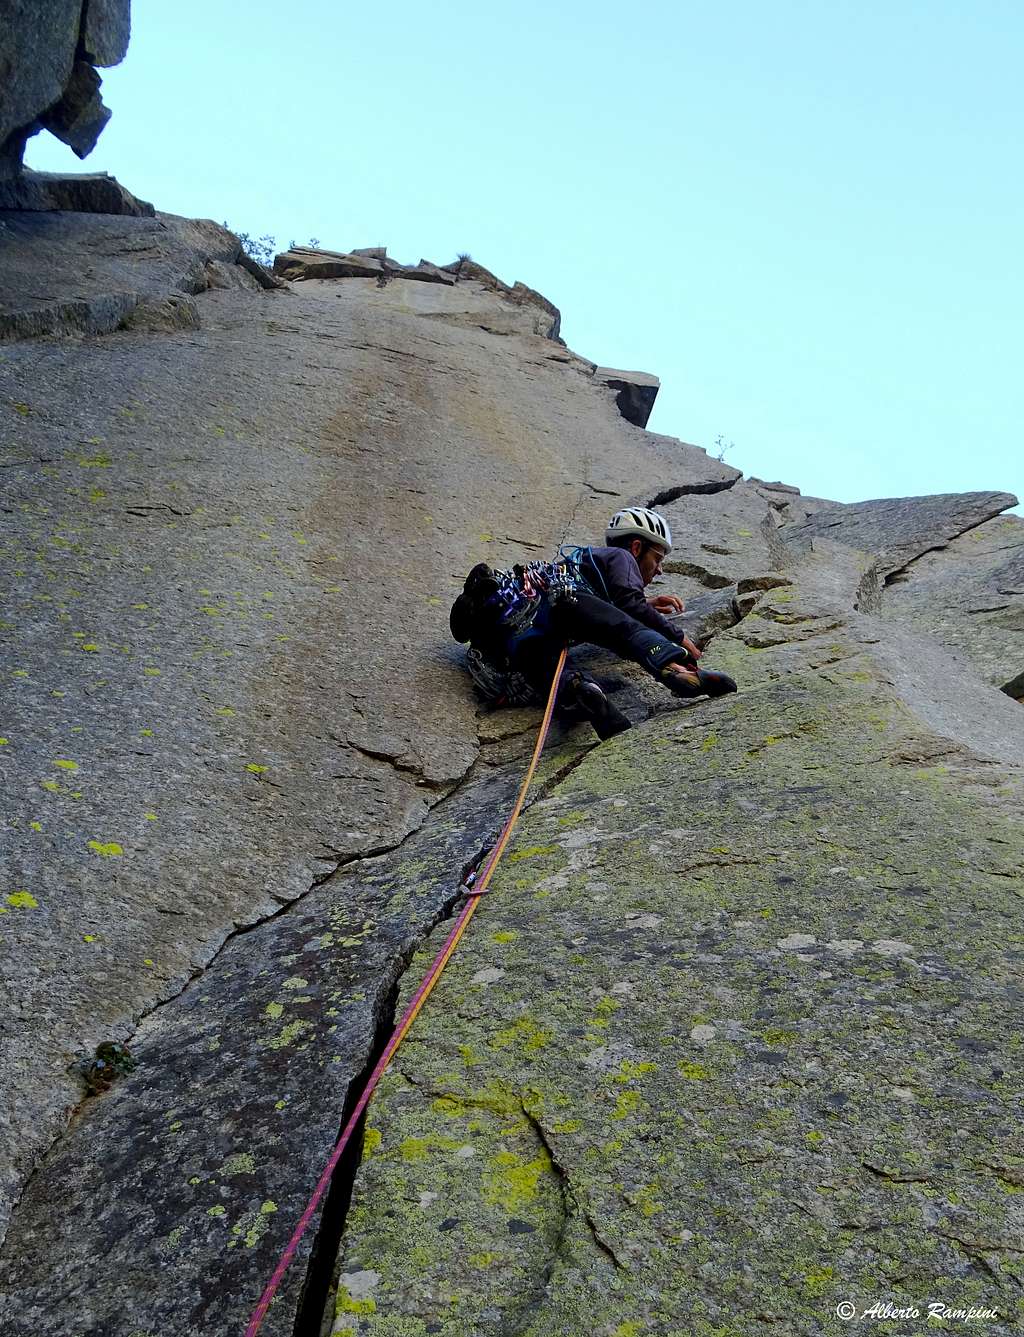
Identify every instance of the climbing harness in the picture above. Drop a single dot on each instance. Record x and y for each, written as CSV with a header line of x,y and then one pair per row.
x,y
564,580
516,598
493,601
577,559
497,686
479,886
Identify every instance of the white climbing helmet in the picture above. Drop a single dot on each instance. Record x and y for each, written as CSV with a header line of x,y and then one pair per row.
x,y
639,522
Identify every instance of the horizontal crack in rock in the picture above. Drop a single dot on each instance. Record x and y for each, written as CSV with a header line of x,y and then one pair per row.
x,y
692,490
748,583
895,1177
390,759
678,567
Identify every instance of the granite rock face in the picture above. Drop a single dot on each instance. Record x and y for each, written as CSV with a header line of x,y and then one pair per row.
x,y
84,192
283,1019
970,596
230,543
770,1069
48,53
61,275
105,31
735,1035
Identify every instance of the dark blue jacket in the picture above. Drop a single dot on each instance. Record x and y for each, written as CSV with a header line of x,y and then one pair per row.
x,y
614,574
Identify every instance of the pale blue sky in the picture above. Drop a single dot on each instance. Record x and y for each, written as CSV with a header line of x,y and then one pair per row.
x,y
806,218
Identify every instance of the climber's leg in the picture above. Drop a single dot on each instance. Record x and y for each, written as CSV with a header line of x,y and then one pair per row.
x,y
601,623
535,653
592,701
592,619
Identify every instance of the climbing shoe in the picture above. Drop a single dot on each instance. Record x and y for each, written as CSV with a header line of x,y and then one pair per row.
x,y
681,679
714,683
591,701
684,681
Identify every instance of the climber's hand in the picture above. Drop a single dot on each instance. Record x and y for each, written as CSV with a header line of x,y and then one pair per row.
x,y
666,603
687,644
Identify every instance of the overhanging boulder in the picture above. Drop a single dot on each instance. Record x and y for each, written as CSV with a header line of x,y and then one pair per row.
x,y
48,51
635,392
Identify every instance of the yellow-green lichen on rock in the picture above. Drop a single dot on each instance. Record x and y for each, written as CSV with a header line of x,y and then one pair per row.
x,y
739,1068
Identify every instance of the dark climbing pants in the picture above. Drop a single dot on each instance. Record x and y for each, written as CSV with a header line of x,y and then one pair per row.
x,y
535,653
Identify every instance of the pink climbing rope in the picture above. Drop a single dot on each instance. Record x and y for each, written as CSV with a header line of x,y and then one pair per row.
x,y
409,1016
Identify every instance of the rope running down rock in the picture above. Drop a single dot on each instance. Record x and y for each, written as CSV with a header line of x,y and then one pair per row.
x,y
410,1014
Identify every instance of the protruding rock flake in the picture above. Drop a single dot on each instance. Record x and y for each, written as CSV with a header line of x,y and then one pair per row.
x,y
106,28
635,392
82,192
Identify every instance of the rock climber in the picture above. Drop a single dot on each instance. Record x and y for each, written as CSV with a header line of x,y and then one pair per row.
x,y
518,622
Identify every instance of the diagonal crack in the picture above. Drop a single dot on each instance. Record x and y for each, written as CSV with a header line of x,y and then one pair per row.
x,y
200,969
329,1236
570,1194
572,1203
975,1250
879,577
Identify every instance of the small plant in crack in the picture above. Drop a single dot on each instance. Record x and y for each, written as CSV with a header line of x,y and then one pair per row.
x,y
110,1062
459,261
722,447
261,249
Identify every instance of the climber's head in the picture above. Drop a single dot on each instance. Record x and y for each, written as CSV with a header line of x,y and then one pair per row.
x,y
639,522
645,534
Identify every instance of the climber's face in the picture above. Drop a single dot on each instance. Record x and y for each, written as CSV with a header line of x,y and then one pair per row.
x,y
649,558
